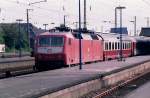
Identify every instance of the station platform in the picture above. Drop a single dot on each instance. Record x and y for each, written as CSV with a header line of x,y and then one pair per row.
x,y
42,83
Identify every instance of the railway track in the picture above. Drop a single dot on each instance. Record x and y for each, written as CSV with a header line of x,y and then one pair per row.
x,y
12,55
19,67
16,67
122,88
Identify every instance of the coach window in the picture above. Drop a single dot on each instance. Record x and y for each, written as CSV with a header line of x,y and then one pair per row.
x,y
116,45
109,45
112,45
105,46
129,45
123,45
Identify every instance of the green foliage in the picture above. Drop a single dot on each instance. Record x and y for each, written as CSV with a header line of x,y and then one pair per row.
x,y
9,35
1,38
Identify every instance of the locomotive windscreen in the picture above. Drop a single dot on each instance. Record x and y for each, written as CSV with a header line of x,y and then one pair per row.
x,y
53,41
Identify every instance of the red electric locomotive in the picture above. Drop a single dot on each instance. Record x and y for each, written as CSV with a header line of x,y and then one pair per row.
x,y
62,48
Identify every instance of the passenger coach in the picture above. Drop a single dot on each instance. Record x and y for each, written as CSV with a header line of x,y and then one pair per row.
x,y
111,45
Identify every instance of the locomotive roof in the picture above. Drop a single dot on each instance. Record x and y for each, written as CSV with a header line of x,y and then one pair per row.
x,y
85,36
58,33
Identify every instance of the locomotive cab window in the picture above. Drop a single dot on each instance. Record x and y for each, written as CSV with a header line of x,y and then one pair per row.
x,y
53,41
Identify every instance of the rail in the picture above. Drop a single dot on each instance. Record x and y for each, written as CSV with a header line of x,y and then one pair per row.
x,y
121,84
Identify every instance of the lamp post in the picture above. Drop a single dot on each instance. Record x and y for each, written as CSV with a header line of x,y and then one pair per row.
x,y
104,25
134,22
28,25
120,53
85,26
45,25
147,21
115,17
20,51
80,46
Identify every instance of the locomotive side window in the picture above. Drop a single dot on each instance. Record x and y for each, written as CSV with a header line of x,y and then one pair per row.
x,y
94,37
77,36
69,42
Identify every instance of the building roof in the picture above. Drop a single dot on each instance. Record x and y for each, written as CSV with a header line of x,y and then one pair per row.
x,y
145,31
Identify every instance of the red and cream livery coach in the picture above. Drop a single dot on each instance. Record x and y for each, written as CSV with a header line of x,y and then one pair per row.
x,y
111,45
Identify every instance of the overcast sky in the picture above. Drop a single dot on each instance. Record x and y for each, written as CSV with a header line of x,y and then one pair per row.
x,y
52,11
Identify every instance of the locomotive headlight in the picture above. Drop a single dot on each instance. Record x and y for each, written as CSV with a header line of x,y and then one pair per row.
x,y
39,56
49,51
59,56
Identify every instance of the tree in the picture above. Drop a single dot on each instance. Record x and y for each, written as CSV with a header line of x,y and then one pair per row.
x,y
10,36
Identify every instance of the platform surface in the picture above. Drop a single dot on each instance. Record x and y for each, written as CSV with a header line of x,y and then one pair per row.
x,y
34,85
